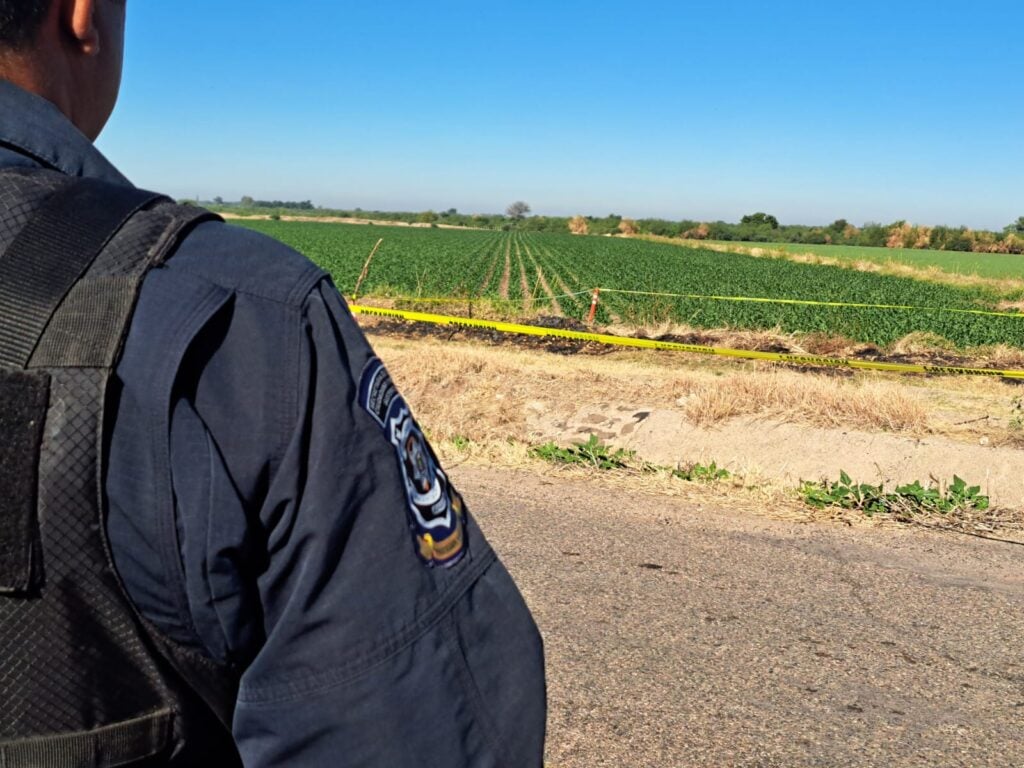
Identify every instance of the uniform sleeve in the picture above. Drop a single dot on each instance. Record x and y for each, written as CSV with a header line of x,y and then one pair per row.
x,y
392,634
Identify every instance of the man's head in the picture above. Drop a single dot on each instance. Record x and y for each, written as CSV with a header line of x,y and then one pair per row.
x,y
67,51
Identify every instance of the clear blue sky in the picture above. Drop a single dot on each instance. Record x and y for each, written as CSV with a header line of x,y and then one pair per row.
x,y
812,111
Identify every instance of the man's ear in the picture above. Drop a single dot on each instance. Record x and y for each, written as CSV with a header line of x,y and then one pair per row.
x,y
78,17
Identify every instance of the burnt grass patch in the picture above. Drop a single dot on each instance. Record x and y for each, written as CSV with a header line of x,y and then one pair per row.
x,y
815,345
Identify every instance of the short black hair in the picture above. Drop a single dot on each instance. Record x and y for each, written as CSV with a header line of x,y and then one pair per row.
x,y
20,20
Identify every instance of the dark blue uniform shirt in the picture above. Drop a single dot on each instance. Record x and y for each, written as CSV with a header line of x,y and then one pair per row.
x,y
259,512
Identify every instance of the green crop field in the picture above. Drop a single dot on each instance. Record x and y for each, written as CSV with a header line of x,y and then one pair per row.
x,y
990,265
530,273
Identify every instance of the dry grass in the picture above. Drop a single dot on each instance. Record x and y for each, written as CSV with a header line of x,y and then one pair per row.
x,y
921,343
465,394
484,394
727,338
793,397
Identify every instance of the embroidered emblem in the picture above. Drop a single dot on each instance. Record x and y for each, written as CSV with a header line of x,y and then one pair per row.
x,y
436,511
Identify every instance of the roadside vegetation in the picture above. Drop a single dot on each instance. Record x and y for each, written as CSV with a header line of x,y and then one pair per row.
x,y
904,500
593,453
955,505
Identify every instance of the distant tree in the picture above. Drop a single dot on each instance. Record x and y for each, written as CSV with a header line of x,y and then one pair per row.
x,y
951,239
247,201
427,217
1017,228
660,227
760,219
518,210
839,225
450,212
873,234
218,200
718,230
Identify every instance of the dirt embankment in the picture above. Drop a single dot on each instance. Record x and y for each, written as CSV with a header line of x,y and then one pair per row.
x,y
765,424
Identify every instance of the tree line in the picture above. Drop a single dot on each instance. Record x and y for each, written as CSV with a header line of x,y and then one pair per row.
x,y
757,227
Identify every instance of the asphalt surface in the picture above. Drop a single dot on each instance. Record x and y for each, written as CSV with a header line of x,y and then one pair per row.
x,y
680,634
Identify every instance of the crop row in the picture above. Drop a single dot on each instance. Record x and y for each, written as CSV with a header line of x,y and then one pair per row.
x,y
536,271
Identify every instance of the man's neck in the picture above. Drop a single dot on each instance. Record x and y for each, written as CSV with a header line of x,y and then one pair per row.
x,y
25,71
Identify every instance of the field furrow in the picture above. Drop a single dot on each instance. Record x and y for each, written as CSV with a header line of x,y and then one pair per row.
x,y
542,281
506,276
576,305
491,269
644,282
524,282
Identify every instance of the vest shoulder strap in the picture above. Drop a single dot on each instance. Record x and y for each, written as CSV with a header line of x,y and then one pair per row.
x,y
76,222
36,273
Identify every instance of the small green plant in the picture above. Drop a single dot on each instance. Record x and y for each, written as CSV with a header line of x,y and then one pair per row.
x,y
963,496
905,500
591,453
461,442
845,494
701,473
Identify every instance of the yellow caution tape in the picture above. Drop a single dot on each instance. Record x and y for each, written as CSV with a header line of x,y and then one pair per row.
x,y
739,299
626,341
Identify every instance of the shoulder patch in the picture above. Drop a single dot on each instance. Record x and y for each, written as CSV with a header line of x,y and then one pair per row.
x,y
435,510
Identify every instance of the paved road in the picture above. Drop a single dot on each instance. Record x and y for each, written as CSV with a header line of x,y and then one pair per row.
x,y
681,635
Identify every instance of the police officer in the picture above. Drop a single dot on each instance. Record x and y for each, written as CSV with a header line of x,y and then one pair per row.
x,y
279,525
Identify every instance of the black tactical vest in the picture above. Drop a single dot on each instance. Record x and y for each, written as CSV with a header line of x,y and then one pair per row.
x,y
85,681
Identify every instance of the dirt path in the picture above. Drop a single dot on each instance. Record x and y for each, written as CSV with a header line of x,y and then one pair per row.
x,y
524,283
765,425
608,301
562,285
506,276
490,270
684,635
542,281
549,258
